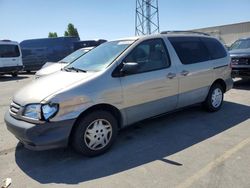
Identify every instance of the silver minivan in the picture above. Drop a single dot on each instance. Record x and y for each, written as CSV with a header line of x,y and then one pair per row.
x,y
117,84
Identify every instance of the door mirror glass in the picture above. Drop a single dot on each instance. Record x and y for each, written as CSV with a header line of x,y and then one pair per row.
x,y
129,68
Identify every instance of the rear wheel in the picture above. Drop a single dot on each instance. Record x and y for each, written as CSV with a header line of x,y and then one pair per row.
x,y
214,99
94,133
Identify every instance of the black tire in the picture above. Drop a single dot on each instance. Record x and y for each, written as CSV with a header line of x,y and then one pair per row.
x,y
14,74
79,131
208,102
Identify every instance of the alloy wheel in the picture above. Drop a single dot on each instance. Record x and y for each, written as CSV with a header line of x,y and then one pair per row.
x,y
98,134
217,97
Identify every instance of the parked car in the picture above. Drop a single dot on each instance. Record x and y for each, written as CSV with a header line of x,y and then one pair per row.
x,y
36,52
10,58
240,54
51,67
117,84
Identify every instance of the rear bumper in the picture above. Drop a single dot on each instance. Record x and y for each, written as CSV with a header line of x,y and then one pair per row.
x,y
11,69
45,136
229,84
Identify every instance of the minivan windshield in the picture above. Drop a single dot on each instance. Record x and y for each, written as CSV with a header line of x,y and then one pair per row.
x,y
100,57
73,56
241,44
9,50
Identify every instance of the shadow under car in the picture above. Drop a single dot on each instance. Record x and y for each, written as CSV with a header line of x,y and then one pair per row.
x,y
6,78
242,84
136,145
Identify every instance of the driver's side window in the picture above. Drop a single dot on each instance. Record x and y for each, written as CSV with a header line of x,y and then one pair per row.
x,y
150,55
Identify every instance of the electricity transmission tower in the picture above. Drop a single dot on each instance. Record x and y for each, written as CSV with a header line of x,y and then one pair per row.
x,y
147,17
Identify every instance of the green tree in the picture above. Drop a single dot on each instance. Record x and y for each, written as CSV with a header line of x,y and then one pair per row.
x,y
66,34
71,31
52,34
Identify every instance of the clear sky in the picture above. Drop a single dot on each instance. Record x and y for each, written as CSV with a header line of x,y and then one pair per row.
x,y
110,19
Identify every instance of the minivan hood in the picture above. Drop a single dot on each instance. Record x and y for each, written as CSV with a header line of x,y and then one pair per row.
x,y
239,52
46,86
50,68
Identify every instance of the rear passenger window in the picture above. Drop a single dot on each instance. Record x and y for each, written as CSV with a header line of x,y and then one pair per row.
x,y
215,48
190,49
150,55
7,50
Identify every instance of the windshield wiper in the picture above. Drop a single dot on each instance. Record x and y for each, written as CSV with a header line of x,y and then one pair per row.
x,y
74,69
64,62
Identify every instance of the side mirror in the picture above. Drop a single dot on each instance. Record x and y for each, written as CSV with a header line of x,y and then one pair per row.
x,y
129,68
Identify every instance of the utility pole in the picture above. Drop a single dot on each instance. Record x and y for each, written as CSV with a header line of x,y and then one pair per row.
x,y
147,17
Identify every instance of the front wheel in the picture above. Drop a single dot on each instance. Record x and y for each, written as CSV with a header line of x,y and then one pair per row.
x,y
214,99
94,133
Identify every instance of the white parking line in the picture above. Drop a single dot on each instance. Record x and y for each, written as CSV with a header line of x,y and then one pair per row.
x,y
188,182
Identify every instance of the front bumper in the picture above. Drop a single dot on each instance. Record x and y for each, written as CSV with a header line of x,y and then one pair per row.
x,y
45,136
241,72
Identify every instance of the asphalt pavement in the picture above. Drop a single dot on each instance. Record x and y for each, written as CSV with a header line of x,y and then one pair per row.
x,y
189,148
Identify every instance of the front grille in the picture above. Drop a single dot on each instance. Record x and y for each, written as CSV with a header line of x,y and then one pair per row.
x,y
14,108
241,61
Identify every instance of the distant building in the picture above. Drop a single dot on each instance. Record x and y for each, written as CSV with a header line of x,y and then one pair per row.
x,y
228,33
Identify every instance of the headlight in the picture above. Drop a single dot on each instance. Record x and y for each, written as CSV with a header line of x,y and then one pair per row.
x,y
40,111
33,111
49,110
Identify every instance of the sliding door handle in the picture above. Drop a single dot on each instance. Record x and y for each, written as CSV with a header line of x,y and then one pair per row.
x,y
171,75
184,73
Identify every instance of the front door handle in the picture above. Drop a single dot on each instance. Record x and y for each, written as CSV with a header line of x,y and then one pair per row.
x,y
184,73
171,75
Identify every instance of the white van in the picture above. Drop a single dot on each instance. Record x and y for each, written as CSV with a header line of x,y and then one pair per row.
x,y
10,58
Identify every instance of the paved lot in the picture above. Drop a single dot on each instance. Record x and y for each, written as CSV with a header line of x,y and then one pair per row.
x,y
191,148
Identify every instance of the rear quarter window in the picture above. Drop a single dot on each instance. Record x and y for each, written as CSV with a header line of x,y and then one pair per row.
x,y
190,49
215,48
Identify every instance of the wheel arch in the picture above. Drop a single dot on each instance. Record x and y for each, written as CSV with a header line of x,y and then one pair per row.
x,y
221,82
106,107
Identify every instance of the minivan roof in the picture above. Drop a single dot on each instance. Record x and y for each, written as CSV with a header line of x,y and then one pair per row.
x,y
8,42
185,32
177,34
50,39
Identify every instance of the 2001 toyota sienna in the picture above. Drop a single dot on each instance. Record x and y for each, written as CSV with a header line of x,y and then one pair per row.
x,y
117,84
